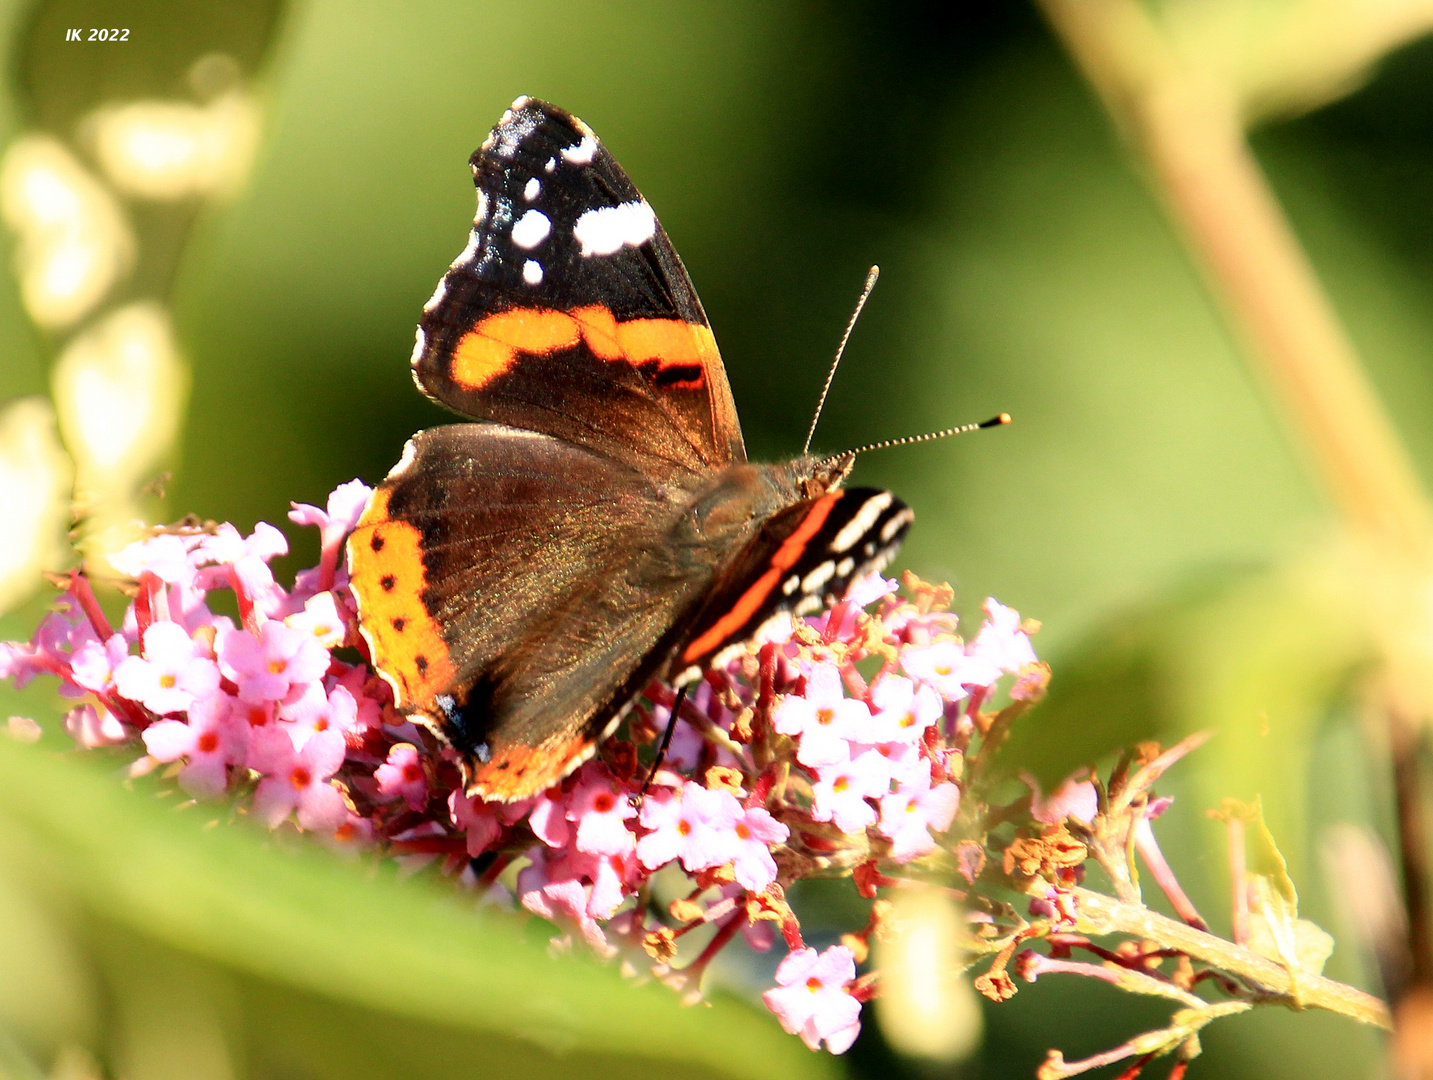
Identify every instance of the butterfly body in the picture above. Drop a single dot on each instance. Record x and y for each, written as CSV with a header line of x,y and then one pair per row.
x,y
520,580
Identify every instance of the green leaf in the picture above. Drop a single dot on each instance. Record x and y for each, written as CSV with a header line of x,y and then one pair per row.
x,y
1288,56
348,930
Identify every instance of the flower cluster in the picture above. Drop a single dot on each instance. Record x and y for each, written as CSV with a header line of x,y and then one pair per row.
x,y
786,763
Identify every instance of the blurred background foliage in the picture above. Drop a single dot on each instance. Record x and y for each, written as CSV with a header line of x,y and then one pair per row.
x,y
1148,505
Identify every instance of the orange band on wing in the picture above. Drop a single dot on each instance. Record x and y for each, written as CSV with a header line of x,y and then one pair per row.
x,y
517,772
679,350
385,561
489,348
750,601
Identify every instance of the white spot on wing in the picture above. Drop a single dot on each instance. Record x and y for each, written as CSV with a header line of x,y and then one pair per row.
x,y
896,524
466,255
482,214
790,584
410,454
808,604
531,229
531,188
532,272
551,164
816,580
583,152
609,228
845,566
418,345
438,294
861,524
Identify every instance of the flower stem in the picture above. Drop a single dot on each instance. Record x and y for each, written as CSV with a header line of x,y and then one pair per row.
x,y
1189,130
1100,914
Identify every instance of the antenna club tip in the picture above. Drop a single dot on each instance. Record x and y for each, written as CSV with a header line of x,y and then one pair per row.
x,y
997,421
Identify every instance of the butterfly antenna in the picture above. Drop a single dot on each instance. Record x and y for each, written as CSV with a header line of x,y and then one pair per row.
x,y
666,742
994,421
871,276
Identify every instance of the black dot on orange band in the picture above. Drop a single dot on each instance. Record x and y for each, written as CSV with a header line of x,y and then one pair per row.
x,y
521,771
422,662
679,374
388,581
504,764
376,543
399,624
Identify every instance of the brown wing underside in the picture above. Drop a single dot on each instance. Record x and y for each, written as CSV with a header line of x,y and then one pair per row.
x,y
510,588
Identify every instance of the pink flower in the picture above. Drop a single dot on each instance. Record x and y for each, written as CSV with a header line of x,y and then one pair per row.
x,y
1000,647
402,776
171,673
756,831
905,710
296,780
312,712
481,822
841,792
321,619
865,591
94,725
267,668
93,664
824,719
346,504
600,812
166,557
1075,797
910,813
944,666
211,740
693,824
548,819
810,998
550,887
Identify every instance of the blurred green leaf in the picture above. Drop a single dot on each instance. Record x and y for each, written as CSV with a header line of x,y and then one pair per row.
x,y
311,921
1287,56
1261,658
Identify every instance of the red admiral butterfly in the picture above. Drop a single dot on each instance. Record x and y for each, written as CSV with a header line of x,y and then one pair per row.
x,y
522,579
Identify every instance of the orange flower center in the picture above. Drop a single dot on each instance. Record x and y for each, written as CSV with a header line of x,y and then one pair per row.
x,y
207,743
300,778
167,681
276,667
825,716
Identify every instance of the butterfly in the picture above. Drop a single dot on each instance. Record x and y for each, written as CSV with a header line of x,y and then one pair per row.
x,y
521,579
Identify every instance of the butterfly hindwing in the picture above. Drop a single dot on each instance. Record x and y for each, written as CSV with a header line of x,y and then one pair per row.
x,y
570,314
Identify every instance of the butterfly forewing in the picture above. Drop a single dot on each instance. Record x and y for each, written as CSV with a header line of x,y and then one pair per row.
x,y
569,312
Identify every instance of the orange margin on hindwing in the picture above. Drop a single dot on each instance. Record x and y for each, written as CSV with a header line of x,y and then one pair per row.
x,y
516,772
492,346
385,559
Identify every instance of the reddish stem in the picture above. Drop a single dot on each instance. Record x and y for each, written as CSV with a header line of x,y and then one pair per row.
x,y
85,597
1159,869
